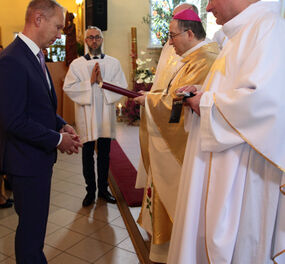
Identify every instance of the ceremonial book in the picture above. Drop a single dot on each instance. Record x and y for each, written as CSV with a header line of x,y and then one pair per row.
x,y
119,90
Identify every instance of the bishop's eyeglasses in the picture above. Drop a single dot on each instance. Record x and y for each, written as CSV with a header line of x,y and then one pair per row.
x,y
172,36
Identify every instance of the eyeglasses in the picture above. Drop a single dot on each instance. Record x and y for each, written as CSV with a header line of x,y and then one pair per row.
x,y
97,37
172,36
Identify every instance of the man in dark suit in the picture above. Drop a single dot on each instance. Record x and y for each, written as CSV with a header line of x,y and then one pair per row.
x,y
30,129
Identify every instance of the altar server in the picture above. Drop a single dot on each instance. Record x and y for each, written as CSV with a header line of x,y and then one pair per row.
x,y
231,203
95,115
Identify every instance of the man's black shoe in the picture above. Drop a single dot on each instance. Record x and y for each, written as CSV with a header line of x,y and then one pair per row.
x,y
109,198
88,200
6,205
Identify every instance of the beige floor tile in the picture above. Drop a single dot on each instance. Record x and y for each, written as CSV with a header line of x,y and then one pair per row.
x,y
4,231
75,158
71,203
54,185
127,245
54,193
78,192
55,179
101,202
112,235
67,259
2,257
7,212
86,225
53,209
89,249
64,186
67,187
60,174
7,244
106,213
77,179
8,261
10,222
51,252
119,222
63,239
51,228
68,167
118,256
63,217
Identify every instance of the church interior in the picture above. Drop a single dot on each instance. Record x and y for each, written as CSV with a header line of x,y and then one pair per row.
x,y
102,233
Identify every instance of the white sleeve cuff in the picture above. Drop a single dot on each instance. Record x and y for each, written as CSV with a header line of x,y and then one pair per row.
x,y
60,139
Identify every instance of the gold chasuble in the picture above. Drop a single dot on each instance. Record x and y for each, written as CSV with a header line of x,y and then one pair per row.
x,y
163,144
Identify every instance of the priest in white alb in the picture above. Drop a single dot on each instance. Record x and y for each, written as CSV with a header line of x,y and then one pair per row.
x,y
231,203
95,116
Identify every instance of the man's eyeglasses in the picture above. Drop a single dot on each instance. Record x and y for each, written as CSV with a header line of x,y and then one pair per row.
x,y
172,36
97,37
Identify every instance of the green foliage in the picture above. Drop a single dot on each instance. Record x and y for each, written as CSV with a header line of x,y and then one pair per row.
x,y
80,48
162,13
160,17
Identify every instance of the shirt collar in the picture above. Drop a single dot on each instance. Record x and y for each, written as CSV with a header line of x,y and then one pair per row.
x,y
199,45
92,56
31,44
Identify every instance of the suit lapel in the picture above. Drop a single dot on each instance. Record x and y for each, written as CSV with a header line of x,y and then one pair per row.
x,y
52,93
34,61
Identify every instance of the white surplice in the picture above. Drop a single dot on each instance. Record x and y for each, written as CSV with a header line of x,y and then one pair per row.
x,y
95,114
231,203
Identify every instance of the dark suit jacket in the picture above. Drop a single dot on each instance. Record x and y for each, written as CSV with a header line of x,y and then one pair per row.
x,y
28,119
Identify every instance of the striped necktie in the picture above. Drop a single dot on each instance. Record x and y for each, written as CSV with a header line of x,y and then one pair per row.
x,y
42,61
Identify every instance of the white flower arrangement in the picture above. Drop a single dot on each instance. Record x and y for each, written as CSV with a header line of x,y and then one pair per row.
x,y
144,74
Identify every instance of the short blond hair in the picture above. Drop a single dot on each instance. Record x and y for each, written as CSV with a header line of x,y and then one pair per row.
x,y
47,7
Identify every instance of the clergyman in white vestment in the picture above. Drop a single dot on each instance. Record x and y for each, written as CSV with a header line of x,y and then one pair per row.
x,y
95,115
231,203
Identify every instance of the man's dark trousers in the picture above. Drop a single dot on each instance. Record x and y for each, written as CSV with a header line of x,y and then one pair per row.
x,y
103,159
32,196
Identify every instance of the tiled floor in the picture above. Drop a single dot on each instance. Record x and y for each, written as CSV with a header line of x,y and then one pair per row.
x,y
77,235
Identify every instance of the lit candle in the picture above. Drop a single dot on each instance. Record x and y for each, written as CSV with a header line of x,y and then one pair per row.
x,y
120,109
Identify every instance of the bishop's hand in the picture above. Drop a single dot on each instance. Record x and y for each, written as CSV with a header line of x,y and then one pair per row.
x,y
141,99
193,99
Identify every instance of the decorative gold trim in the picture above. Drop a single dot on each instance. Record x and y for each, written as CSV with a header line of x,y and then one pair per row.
x,y
161,222
244,138
277,255
206,201
171,219
139,220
